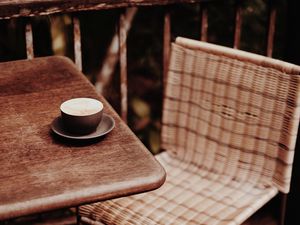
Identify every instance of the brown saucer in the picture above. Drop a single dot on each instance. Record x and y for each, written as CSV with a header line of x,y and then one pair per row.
x,y
106,125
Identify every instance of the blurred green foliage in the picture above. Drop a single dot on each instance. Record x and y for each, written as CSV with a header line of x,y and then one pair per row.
x,y
53,35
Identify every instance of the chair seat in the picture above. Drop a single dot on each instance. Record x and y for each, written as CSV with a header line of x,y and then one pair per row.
x,y
191,195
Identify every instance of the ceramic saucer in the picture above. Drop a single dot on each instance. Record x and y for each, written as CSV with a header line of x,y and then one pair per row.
x,y
106,125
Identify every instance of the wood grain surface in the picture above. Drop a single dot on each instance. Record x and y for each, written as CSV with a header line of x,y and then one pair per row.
x,y
18,8
40,171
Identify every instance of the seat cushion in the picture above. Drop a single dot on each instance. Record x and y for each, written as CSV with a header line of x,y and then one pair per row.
x,y
190,195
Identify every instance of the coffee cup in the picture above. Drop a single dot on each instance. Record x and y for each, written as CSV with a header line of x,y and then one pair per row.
x,y
81,115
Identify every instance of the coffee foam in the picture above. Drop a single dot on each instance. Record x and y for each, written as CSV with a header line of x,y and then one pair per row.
x,y
81,106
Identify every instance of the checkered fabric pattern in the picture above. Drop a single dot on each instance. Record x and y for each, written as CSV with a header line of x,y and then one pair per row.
x,y
230,122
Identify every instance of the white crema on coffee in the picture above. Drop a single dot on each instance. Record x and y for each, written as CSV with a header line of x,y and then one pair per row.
x,y
81,106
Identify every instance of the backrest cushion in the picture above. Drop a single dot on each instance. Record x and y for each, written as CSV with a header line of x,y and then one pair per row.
x,y
232,112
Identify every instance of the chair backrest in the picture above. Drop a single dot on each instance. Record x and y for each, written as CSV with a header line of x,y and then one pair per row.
x,y
232,112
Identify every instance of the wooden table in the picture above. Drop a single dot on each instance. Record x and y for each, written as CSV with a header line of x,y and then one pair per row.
x,y
40,171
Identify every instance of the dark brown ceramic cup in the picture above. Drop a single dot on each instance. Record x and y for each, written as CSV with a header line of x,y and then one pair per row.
x,y
81,115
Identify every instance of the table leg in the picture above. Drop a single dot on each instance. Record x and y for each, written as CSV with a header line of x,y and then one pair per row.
x,y
78,217
282,208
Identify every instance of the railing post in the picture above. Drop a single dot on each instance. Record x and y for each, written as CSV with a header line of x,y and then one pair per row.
x,y
77,43
271,30
166,44
112,55
123,65
238,25
204,21
29,40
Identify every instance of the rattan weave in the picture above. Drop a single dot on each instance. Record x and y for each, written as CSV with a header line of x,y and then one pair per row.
x,y
230,122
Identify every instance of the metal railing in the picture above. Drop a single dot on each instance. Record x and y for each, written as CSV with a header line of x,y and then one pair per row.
x,y
34,8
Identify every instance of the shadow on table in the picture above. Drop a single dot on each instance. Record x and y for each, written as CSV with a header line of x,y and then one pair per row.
x,y
75,142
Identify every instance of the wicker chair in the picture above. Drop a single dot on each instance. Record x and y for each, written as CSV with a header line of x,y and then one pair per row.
x,y
230,121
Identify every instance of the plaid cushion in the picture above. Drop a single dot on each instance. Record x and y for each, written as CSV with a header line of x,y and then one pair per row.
x,y
230,122
189,196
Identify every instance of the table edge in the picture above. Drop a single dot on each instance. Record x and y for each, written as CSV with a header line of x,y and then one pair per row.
x,y
152,182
